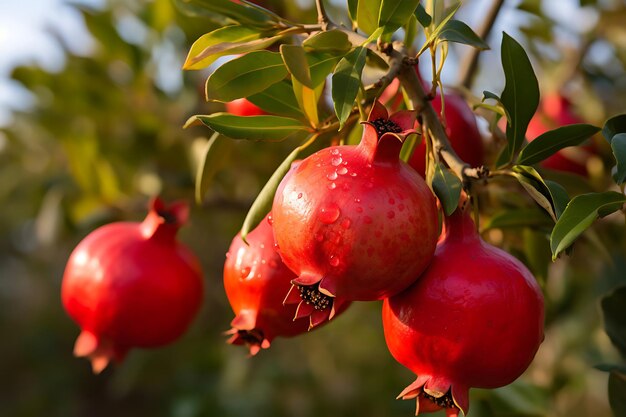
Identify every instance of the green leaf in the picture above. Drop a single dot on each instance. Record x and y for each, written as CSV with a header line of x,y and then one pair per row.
x,y
214,44
347,81
614,312
214,155
307,100
579,214
246,14
330,41
447,188
423,17
534,184
278,99
459,32
410,31
521,92
321,65
262,205
525,217
618,146
394,13
296,63
246,75
268,128
352,9
609,367
367,15
434,35
613,126
554,140
617,393
559,197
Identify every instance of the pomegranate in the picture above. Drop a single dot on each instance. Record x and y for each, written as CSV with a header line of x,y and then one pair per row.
x,y
473,319
256,281
244,107
556,111
132,284
461,129
355,222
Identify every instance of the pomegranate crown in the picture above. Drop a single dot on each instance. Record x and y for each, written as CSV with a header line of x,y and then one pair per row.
x,y
399,124
163,221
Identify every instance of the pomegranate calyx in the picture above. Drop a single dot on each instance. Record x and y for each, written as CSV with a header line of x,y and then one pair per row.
x,y
433,394
164,220
384,134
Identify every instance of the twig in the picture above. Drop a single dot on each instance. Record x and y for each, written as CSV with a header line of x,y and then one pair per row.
x,y
469,63
322,17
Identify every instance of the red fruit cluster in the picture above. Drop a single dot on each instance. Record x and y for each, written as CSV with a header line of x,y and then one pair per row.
x,y
556,111
132,285
473,319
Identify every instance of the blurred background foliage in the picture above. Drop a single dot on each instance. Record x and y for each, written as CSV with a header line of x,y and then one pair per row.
x,y
104,133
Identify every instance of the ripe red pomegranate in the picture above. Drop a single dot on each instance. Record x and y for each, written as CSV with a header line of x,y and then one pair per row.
x,y
556,111
244,107
473,319
131,285
256,281
461,129
355,222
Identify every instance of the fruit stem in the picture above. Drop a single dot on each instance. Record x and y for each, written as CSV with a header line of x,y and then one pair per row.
x,y
460,226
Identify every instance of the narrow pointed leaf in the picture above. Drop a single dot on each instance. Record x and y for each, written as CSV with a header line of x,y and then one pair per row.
x,y
525,217
307,100
521,92
422,16
352,9
278,99
536,187
459,32
214,44
579,214
330,41
552,141
394,13
559,195
246,75
243,13
296,63
613,126
447,187
263,202
214,155
269,128
346,82
618,146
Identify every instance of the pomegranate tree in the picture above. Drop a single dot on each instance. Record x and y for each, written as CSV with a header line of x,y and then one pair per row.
x,y
132,285
355,222
473,319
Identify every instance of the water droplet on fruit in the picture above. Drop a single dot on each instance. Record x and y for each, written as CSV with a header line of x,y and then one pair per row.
x,y
359,209
332,186
272,263
345,223
367,220
276,247
332,176
319,237
369,185
334,151
342,171
391,214
245,271
263,261
336,161
345,186
299,195
333,260
353,174
357,200
270,220
330,213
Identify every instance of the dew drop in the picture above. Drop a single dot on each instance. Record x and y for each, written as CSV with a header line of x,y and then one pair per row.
x,y
319,237
258,275
357,200
332,176
333,260
336,161
346,223
367,220
391,214
345,187
330,213
272,263
369,185
353,174
332,186
299,195
270,220
342,171
262,245
263,261
368,166
334,151
359,209
276,247
245,271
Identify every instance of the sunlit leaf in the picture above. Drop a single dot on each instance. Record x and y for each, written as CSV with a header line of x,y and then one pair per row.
x,y
270,128
394,13
296,63
246,14
246,75
367,15
579,214
552,141
459,32
214,44
329,41
278,99
346,82
536,187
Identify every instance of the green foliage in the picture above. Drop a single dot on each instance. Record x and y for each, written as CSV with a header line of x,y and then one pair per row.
x,y
270,128
554,140
347,82
447,187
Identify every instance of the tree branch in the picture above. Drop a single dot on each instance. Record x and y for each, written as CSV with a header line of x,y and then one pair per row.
x,y
469,63
322,17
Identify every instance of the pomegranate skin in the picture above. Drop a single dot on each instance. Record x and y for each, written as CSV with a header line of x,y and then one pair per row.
x,y
244,107
555,111
355,222
461,129
132,285
256,281
473,319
